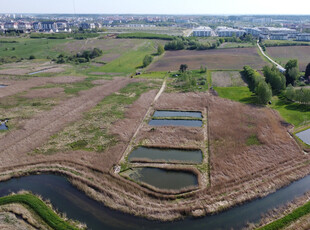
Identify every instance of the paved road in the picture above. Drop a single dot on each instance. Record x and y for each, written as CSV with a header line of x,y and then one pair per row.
x,y
281,68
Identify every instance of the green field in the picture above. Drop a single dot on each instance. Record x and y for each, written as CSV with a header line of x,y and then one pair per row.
x,y
294,113
128,62
40,208
40,48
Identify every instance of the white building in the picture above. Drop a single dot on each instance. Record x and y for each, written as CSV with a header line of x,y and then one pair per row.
x,y
303,37
24,26
279,36
229,32
202,32
254,31
11,25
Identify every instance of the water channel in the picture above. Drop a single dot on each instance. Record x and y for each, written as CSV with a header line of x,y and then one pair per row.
x,y
77,205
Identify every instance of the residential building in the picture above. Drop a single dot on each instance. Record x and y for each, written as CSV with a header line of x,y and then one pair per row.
x,y
303,37
87,26
202,32
229,32
11,25
49,26
24,26
37,26
279,36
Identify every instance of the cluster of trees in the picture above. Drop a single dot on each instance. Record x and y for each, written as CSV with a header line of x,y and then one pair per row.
x,y
257,85
242,39
292,71
301,95
190,44
147,60
83,57
275,78
160,49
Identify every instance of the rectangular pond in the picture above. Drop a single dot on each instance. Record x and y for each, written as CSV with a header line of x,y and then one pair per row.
x,y
2,86
304,136
168,122
163,178
168,113
166,155
3,126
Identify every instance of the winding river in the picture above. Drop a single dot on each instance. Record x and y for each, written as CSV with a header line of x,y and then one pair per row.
x,y
66,198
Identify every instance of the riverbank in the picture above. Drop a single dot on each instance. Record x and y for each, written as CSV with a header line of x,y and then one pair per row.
x,y
38,209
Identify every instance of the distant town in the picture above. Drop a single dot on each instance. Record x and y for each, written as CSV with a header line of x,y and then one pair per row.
x,y
265,27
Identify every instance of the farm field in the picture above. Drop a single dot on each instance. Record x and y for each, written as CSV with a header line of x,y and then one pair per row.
x,y
225,59
227,79
284,53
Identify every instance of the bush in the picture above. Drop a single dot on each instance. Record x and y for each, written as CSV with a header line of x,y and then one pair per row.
x,y
147,60
31,57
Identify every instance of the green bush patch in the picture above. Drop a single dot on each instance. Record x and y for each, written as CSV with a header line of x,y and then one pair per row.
x,y
252,140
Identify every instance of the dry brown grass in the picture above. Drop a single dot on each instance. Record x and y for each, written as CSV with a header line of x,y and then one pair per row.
x,y
283,54
214,59
227,79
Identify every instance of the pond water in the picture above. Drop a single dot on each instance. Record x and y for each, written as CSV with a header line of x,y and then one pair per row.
x,y
167,113
40,71
191,123
67,199
166,154
304,136
3,126
163,178
2,86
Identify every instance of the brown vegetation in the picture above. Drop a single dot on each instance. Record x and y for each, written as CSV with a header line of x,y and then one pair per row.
x,y
214,59
227,79
285,53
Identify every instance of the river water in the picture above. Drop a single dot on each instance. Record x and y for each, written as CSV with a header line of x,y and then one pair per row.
x,y
66,198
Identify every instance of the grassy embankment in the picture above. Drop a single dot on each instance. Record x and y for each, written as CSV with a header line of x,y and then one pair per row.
x,y
294,113
39,208
92,132
288,219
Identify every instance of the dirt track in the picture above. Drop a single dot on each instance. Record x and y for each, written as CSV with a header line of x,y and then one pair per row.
x,y
16,144
15,86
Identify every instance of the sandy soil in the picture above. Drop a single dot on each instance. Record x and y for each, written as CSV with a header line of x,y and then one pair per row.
x,y
214,59
45,93
17,86
99,82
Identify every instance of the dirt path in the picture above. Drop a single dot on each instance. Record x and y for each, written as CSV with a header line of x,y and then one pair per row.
x,y
38,129
129,147
18,86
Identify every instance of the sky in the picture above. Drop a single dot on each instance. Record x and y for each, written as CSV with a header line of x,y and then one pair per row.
x,y
156,6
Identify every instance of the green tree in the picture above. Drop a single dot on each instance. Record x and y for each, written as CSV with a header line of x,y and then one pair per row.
x,y
275,78
183,68
263,92
307,72
292,71
160,49
147,60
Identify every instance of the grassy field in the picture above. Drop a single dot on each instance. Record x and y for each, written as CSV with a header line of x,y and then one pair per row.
x,y
227,79
294,113
288,219
220,59
283,54
92,132
40,48
236,45
129,61
40,208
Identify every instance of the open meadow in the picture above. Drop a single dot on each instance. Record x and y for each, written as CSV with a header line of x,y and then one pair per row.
x,y
225,59
284,53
